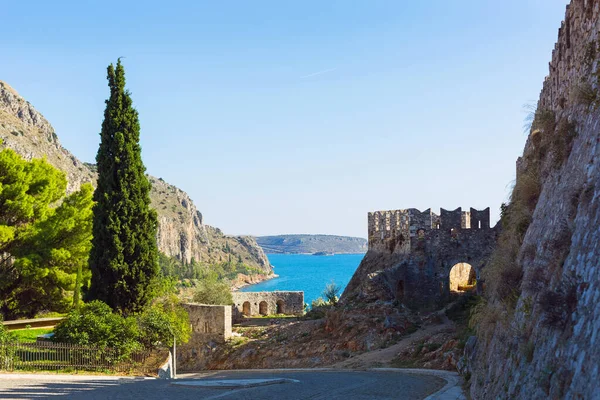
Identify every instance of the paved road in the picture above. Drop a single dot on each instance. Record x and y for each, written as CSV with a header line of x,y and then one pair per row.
x,y
328,385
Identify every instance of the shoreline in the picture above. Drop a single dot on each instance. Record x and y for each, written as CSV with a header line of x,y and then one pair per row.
x,y
243,284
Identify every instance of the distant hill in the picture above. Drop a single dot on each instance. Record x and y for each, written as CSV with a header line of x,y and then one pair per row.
x,y
312,244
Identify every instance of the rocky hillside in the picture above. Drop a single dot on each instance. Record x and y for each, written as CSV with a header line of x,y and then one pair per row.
x,y
537,332
312,244
181,233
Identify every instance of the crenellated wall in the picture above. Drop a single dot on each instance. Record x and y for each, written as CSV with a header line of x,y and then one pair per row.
x,y
393,229
412,252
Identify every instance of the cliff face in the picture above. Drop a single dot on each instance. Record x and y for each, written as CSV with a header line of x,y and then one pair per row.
x,y
26,131
181,233
546,344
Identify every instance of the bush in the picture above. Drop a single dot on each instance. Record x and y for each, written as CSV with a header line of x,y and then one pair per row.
x,y
212,291
559,304
318,303
162,321
5,335
331,293
583,93
562,141
95,324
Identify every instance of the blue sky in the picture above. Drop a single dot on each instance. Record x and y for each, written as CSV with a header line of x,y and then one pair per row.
x,y
297,117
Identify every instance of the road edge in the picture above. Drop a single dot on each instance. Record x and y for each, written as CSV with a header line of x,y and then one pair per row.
x,y
451,391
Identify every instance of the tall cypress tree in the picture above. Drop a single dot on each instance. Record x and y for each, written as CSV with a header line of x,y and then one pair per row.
x,y
124,256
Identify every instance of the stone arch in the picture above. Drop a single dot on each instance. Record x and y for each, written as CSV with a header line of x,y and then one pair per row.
x,y
246,308
263,308
280,307
461,277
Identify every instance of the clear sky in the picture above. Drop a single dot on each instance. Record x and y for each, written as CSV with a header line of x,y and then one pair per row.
x,y
297,116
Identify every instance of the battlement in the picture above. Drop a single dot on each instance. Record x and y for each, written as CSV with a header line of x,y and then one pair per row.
x,y
410,222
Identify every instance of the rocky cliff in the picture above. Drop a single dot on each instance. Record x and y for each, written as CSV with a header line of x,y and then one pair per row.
x,y
537,334
181,233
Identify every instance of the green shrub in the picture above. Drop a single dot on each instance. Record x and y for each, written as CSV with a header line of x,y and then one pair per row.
x,y
583,93
331,293
162,321
212,291
319,302
5,335
95,324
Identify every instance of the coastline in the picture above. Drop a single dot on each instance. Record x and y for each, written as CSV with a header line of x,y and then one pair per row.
x,y
247,280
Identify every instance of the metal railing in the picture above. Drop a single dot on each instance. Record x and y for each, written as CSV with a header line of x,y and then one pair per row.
x,y
45,355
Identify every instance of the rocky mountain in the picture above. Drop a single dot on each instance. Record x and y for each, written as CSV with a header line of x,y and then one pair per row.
x,y
538,335
181,232
312,244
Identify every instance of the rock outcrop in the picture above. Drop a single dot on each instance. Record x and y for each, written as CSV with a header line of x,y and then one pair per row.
x,y
542,340
181,232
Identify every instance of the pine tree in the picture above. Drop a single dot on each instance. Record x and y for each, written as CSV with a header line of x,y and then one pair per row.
x,y
124,256
43,247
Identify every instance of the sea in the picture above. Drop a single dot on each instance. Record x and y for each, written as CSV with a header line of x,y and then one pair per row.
x,y
308,273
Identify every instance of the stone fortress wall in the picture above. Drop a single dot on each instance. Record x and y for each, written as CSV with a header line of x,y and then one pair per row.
x,y
563,363
267,303
396,227
412,253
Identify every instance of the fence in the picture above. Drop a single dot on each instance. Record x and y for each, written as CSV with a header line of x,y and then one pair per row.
x,y
65,356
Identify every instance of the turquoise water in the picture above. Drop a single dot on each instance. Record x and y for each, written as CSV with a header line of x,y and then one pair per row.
x,y
308,273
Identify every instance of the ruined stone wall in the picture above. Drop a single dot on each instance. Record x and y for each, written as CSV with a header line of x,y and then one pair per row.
x,y
547,347
268,303
209,322
397,226
411,261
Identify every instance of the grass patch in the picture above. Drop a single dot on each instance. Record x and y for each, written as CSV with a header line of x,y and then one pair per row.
x,y
236,342
273,316
584,94
30,334
558,305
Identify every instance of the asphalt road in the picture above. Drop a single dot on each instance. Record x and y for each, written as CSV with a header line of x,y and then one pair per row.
x,y
328,385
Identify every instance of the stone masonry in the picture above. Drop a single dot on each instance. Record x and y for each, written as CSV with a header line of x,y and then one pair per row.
x,y
411,253
209,322
267,303
560,254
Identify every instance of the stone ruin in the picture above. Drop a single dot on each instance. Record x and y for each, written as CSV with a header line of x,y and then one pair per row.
x,y
411,253
267,303
214,322
209,322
